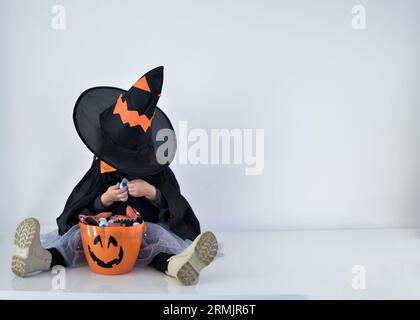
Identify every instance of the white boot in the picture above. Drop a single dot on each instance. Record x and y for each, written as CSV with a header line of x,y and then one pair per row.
x,y
187,265
30,257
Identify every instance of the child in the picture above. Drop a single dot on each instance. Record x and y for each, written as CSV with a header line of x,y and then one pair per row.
x,y
121,128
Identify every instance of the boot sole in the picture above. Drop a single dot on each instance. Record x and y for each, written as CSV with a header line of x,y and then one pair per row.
x,y
25,235
204,253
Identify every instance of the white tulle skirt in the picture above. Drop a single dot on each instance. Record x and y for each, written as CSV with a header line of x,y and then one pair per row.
x,y
158,238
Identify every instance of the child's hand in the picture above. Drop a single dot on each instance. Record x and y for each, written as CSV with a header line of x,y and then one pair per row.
x,y
114,193
140,188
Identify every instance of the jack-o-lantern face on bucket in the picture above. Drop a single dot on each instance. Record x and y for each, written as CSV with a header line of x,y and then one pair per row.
x,y
111,250
111,241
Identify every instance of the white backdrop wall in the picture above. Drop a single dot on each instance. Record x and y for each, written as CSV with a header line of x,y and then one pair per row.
x,y
340,107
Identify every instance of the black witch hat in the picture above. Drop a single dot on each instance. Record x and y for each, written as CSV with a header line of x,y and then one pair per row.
x,y
121,127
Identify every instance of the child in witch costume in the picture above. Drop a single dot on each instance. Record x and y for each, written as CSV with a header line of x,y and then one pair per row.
x,y
120,127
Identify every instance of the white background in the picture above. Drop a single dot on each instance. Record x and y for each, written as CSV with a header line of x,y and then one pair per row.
x,y
340,107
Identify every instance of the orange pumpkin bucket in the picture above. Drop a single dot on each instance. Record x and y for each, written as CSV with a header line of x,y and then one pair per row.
x,y
111,250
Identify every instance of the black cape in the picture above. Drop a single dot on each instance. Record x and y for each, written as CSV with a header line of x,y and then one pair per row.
x,y
180,216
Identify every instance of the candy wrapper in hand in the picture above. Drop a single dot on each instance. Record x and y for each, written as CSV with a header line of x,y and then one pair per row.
x,y
123,183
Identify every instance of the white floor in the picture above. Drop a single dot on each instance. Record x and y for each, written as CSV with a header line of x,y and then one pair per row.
x,y
255,265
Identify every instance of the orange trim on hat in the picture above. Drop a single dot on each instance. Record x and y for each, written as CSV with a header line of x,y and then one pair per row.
x,y
142,84
132,117
106,167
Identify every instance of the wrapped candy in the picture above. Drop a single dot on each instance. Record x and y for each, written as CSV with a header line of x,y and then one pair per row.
x,y
107,219
123,183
